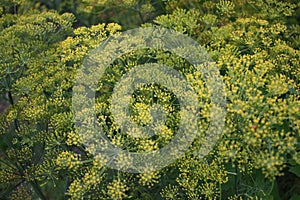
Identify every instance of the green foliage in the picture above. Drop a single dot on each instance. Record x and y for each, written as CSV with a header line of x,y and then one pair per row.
x,y
255,45
128,13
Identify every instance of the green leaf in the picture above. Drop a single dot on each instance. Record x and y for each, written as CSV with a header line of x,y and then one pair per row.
x,y
295,170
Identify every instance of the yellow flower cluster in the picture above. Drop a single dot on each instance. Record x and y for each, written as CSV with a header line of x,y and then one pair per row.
x,y
143,116
271,164
145,145
123,161
75,49
22,155
73,139
225,7
260,70
170,192
117,189
89,181
22,192
210,190
69,160
201,178
181,20
149,179
258,58
8,175
75,190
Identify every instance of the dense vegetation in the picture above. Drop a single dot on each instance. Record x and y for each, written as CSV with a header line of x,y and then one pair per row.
x,y
255,45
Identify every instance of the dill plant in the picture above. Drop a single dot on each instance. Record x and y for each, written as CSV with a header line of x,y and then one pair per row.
x,y
256,50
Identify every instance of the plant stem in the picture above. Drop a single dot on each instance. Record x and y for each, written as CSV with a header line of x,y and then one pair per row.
x,y
37,189
11,101
141,17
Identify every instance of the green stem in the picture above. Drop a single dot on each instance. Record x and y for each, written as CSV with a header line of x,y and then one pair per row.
x,y
33,183
11,101
37,190
235,180
220,188
141,17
